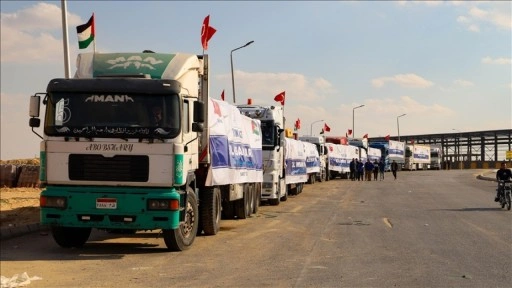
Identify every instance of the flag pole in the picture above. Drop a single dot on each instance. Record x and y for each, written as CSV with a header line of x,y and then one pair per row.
x,y
64,12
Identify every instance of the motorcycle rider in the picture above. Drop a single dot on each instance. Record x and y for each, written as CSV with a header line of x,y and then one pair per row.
x,y
503,174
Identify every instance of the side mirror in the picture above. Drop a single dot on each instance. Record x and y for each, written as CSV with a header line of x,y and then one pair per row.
x,y
197,127
34,122
198,113
34,106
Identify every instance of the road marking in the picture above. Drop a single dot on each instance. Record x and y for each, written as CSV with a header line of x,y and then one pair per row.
x,y
387,222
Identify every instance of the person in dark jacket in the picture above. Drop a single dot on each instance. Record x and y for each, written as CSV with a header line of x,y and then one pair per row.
x,y
368,169
360,170
353,169
382,167
375,170
394,168
503,174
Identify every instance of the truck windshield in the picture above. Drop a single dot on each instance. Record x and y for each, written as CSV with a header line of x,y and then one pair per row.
x,y
126,116
268,131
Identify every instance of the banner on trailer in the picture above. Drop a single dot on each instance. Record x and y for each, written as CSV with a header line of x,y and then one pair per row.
x,y
235,146
295,161
421,154
396,151
312,158
374,154
337,156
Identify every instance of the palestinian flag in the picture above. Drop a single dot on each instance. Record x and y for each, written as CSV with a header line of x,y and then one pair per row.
x,y
85,33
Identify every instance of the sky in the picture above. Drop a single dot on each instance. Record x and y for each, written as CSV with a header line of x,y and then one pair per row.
x,y
445,64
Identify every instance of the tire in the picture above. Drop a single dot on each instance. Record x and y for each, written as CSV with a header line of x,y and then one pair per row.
x,y
68,237
257,198
285,197
181,238
242,205
250,199
210,210
508,200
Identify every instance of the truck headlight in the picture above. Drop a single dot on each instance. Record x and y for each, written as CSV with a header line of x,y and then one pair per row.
x,y
163,204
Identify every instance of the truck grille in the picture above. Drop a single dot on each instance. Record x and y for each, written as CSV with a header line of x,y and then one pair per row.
x,y
123,168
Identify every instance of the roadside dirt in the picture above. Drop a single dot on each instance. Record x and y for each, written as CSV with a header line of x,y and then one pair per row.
x,y
19,206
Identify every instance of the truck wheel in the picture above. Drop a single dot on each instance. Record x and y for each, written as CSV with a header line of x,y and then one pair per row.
x,y
257,198
250,199
181,238
285,197
68,237
210,210
240,206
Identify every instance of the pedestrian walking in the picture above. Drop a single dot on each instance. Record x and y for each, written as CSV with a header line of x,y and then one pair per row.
x,y
394,168
382,167
375,170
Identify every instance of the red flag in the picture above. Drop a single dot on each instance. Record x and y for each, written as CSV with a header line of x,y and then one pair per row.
x,y
222,95
297,124
387,138
349,131
327,128
280,98
206,32
365,136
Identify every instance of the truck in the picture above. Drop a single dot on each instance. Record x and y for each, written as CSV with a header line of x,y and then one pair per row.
x,y
312,162
417,157
339,157
106,165
272,119
436,156
319,143
295,158
390,150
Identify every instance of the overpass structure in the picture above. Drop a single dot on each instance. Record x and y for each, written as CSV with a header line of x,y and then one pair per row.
x,y
468,150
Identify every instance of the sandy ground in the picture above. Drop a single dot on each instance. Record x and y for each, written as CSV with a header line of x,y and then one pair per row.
x,y
19,206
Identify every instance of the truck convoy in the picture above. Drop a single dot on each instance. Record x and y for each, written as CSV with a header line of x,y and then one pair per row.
x,y
134,142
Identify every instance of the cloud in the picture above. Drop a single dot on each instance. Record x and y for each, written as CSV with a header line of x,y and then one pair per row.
x,y
404,80
499,61
497,13
262,87
463,83
34,34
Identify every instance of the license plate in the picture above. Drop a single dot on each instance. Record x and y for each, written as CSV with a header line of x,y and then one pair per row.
x,y
106,203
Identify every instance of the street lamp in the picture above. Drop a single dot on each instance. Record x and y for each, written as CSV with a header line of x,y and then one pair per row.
x,y
312,126
398,125
232,75
353,130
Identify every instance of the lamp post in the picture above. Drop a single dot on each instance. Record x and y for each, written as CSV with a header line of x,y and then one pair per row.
x,y
232,75
353,130
398,125
312,126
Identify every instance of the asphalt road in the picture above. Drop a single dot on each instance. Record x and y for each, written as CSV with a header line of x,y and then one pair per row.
x,y
426,229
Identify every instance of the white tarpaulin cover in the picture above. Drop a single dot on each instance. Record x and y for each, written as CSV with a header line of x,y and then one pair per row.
x,y
235,146
396,151
312,158
295,161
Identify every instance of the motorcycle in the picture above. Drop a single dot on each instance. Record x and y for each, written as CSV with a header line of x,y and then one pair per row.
x,y
505,196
